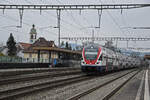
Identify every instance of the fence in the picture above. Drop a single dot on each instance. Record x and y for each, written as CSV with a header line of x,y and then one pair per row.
x,y
68,63
6,59
31,62
34,60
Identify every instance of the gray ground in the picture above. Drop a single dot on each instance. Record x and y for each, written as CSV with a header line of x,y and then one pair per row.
x,y
129,91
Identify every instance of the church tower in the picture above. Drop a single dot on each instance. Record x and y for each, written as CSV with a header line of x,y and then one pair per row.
x,y
33,34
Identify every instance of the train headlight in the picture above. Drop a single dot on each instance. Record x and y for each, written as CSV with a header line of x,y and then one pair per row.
x,y
98,63
83,62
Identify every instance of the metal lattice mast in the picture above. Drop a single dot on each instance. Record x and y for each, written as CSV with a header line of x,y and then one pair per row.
x,y
73,7
105,38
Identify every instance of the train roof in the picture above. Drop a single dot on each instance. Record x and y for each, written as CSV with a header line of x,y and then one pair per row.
x,y
93,44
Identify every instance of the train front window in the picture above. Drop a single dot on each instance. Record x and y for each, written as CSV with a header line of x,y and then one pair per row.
x,y
91,53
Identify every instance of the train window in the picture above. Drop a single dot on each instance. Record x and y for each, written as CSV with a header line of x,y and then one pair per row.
x,y
90,56
91,53
91,50
106,57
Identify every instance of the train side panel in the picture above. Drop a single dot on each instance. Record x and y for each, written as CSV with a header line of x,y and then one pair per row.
x,y
100,59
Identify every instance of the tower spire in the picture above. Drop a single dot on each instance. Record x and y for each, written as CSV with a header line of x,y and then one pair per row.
x,y
33,34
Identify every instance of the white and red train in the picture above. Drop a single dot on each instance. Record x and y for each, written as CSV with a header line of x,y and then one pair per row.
x,y
96,58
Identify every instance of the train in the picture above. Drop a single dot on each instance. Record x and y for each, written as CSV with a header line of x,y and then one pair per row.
x,y
99,59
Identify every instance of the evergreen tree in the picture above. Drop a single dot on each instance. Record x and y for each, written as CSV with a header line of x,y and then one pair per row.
x,y
11,44
70,48
62,44
67,45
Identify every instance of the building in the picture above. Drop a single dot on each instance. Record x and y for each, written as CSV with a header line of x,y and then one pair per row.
x,y
25,50
4,50
33,34
31,55
42,50
21,46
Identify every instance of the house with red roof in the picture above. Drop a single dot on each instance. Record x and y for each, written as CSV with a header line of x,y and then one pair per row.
x,y
31,55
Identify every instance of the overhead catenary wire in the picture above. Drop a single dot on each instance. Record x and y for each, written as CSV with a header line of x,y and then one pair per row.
x,y
66,22
20,16
124,22
70,14
113,19
115,23
122,18
31,3
15,20
58,24
78,24
21,21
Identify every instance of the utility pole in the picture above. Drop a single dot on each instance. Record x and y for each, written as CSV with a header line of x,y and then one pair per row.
x,y
127,43
58,25
21,17
116,43
92,36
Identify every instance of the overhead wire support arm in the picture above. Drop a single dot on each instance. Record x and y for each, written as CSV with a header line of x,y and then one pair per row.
x,y
121,9
40,11
100,16
80,11
21,17
141,27
4,10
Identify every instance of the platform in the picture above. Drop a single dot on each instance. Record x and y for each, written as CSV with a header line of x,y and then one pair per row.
x,y
135,89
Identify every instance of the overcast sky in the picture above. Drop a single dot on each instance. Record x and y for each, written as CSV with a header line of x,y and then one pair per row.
x,y
75,24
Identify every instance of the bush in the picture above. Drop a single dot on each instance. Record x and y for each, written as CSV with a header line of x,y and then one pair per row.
x,y
1,54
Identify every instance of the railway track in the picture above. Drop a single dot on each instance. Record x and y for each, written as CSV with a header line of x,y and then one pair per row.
x,y
15,72
13,93
108,96
35,76
85,93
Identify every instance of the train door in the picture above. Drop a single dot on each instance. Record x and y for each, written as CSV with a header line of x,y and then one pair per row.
x,y
106,63
117,61
109,63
